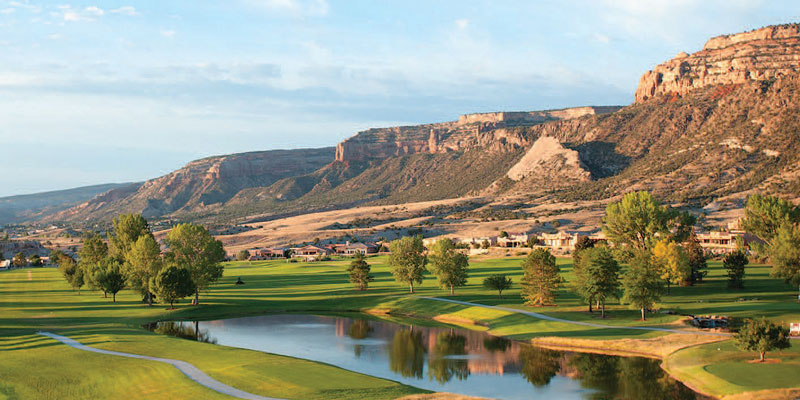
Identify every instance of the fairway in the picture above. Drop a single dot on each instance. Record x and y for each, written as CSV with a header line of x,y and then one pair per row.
x,y
39,299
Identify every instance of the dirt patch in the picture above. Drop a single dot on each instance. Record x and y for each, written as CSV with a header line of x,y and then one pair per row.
x,y
766,361
439,396
658,347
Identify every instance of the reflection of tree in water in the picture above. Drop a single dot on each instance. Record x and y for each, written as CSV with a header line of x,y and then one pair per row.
x,y
641,378
442,368
597,372
539,365
184,331
358,330
407,353
496,343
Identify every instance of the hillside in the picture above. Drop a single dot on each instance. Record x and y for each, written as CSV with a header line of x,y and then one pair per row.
x,y
719,123
22,207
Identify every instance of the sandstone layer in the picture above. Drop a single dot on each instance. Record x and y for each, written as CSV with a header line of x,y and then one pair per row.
x,y
762,54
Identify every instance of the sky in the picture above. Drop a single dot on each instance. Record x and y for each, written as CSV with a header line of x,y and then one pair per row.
x,y
120,91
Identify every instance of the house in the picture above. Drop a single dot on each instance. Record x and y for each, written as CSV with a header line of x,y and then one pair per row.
x,y
560,241
5,264
720,242
266,253
513,240
363,248
473,241
794,329
311,252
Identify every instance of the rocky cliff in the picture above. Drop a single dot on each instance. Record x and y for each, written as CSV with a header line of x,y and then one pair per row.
x,y
762,54
469,131
201,184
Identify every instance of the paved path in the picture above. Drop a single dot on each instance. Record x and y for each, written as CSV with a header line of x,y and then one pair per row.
x,y
190,370
584,323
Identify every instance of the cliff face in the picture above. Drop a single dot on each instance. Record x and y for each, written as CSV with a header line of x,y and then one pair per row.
x,y
202,183
470,131
762,54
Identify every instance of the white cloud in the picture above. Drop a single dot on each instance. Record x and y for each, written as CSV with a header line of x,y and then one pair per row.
x,y
7,11
54,36
168,33
295,7
125,10
94,10
72,16
462,23
599,37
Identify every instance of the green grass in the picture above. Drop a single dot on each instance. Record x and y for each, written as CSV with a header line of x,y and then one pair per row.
x,y
39,299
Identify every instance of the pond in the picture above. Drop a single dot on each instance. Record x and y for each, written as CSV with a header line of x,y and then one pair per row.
x,y
440,359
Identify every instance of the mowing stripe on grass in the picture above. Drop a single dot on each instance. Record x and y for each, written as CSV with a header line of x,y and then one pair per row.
x,y
189,370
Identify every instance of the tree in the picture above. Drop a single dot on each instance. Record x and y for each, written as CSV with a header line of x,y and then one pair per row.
x,y
143,263
243,255
672,262
497,282
764,215
359,272
90,256
785,254
735,263
503,234
541,279
639,217
109,277
762,336
642,284
72,273
449,265
599,277
173,283
485,244
19,260
697,259
407,260
128,228
35,260
191,247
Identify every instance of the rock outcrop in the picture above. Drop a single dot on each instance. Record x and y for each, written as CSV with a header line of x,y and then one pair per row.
x,y
470,131
762,54
550,161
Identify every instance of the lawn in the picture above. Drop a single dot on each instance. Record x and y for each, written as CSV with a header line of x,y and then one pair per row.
x,y
39,299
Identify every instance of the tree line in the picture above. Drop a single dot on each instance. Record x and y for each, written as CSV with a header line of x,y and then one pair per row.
x,y
132,258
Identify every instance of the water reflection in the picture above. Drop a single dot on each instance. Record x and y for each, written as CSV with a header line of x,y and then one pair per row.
x,y
441,359
445,363
407,353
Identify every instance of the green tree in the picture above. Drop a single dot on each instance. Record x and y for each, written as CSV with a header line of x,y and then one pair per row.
x,y
19,260
127,229
785,254
639,217
642,284
672,262
599,277
191,247
243,255
497,282
735,263
359,272
172,283
72,273
485,244
90,256
143,263
764,215
448,264
407,260
109,277
35,260
762,336
541,279
697,259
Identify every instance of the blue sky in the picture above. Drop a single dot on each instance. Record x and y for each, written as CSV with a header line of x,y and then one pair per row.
x,y
106,91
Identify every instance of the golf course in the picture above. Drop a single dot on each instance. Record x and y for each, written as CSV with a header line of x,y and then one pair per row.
x,y
36,300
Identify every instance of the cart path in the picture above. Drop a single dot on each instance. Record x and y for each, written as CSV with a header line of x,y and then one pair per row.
x,y
584,323
189,370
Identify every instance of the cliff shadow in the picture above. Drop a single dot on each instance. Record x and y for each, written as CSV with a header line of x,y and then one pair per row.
x,y
601,158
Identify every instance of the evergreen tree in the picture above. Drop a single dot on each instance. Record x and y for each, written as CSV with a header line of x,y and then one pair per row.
x,y
735,263
541,279
599,277
642,283
359,272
